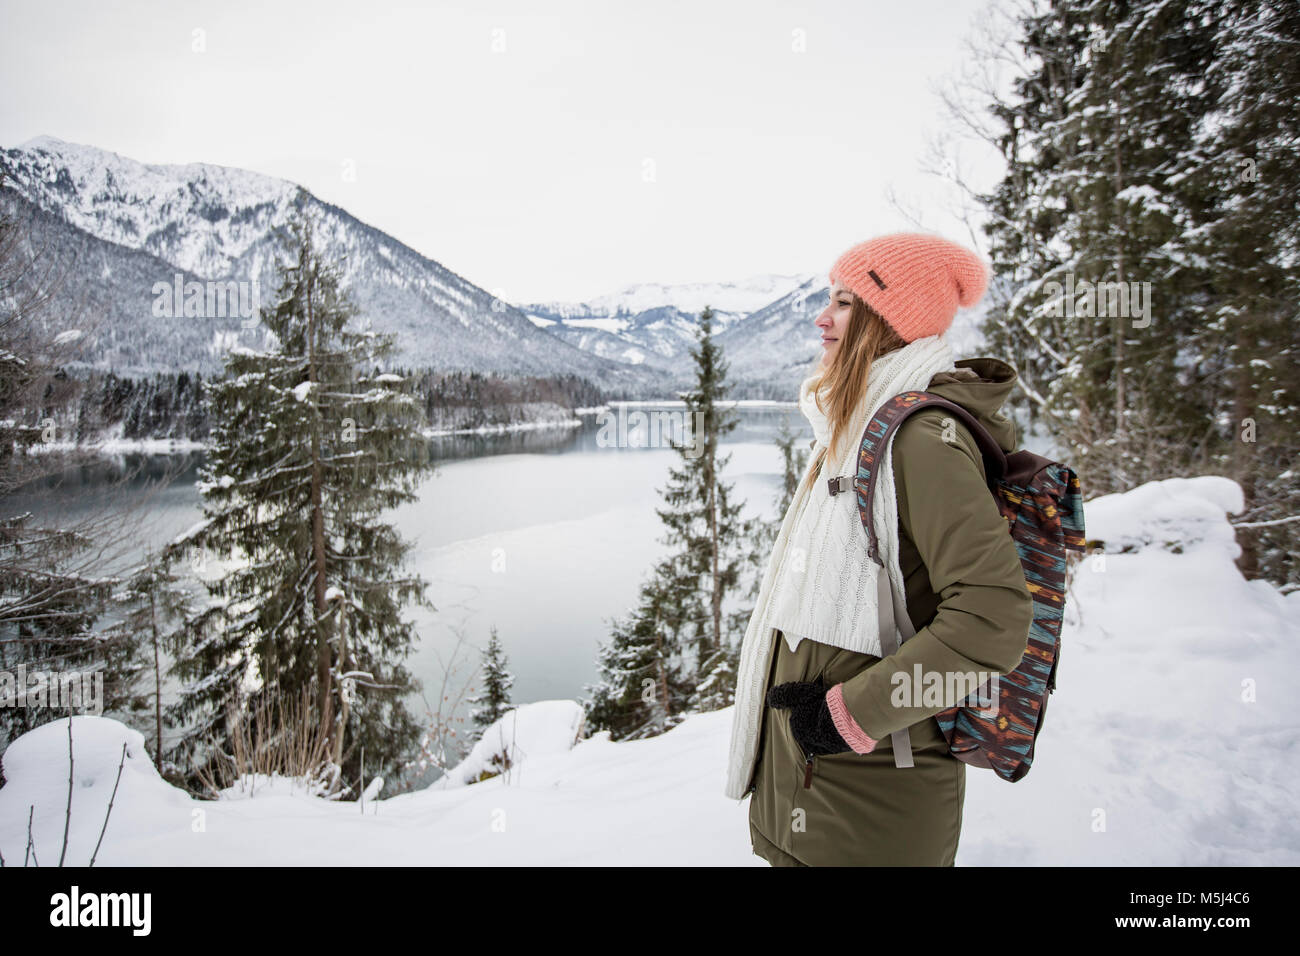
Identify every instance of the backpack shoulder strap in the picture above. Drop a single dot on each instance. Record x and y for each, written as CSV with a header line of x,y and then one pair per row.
x,y
882,427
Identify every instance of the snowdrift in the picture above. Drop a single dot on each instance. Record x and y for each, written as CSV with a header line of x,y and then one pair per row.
x,y
1170,741
531,730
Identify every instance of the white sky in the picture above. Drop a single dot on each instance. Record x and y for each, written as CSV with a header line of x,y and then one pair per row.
x,y
524,170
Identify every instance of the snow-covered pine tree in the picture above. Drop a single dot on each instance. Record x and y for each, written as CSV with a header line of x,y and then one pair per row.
x,y
643,690
716,689
1028,209
1136,144
52,587
1092,208
794,461
1247,234
489,706
153,603
312,441
1132,404
712,541
51,602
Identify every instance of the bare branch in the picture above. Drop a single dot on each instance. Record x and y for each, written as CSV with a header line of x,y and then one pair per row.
x,y
113,797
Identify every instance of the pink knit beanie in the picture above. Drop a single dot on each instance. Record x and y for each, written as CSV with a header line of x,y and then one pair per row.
x,y
914,281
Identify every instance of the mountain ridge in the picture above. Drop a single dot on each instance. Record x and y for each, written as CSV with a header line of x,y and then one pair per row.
x,y
142,224
221,223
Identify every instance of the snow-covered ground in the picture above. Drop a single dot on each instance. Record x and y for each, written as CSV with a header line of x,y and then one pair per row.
x,y
1171,740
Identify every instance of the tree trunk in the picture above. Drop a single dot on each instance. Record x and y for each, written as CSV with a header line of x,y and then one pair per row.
x,y
157,684
345,707
661,673
324,696
1243,452
716,596
1119,319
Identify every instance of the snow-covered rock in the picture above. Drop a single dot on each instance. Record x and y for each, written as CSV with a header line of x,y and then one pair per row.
x,y
1176,512
37,768
527,731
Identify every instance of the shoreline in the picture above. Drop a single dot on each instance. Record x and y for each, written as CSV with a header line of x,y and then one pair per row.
x,y
177,446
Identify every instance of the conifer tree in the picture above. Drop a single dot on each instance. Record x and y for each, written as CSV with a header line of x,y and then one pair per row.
x,y
1130,405
717,681
1247,233
51,603
1029,208
643,689
311,442
713,542
489,706
1153,142
1092,208
153,604
715,687
794,461
677,651
53,591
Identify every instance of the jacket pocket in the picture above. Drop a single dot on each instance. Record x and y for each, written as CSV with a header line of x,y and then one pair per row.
x,y
845,666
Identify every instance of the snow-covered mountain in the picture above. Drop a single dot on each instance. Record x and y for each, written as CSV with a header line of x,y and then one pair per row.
x,y
117,227
764,326
655,324
729,300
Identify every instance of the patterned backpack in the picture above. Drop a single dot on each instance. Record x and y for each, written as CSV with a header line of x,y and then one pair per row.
x,y
1043,506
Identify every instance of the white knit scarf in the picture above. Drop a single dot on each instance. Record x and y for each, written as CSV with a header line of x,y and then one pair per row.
x,y
819,583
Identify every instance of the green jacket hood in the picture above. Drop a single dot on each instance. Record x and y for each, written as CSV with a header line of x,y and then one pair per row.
x,y
981,386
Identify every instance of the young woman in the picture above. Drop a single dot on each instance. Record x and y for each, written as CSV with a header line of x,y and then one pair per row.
x,y
817,705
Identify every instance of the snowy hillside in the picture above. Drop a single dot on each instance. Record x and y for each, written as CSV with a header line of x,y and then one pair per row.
x,y
201,218
654,323
1166,744
142,224
727,299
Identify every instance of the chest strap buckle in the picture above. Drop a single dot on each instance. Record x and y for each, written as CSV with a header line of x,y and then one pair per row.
x,y
840,483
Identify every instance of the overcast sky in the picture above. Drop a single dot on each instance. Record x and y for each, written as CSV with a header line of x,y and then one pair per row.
x,y
543,149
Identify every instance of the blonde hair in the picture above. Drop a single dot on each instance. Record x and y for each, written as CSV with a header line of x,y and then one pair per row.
x,y
867,336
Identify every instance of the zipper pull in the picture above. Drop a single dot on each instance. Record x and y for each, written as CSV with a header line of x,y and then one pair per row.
x,y
807,776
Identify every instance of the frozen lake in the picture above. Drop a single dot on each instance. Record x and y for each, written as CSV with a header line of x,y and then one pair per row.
x,y
545,534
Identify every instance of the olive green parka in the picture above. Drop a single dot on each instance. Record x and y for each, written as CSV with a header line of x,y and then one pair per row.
x,y
969,604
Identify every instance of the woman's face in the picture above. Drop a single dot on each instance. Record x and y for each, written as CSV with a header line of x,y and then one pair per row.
x,y
834,320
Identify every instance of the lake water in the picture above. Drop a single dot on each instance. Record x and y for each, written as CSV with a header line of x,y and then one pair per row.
x,y
544,533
